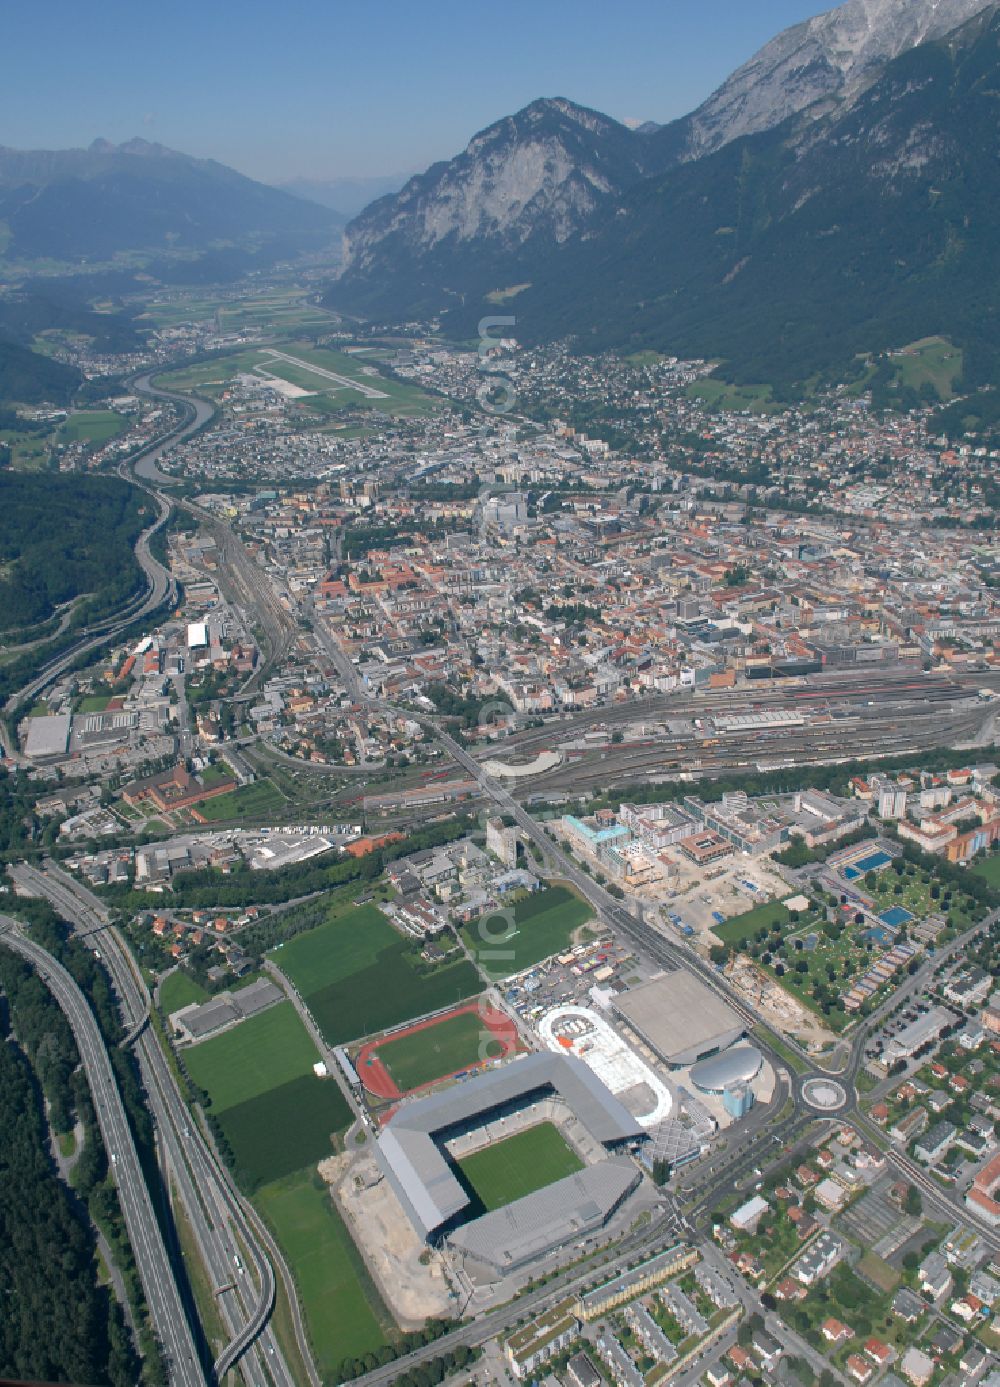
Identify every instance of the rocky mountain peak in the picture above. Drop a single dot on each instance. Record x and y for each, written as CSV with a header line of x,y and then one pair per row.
x,y
538,172
827,59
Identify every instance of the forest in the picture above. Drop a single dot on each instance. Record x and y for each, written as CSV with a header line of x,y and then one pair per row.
x,y
63,538
59,1322
31,378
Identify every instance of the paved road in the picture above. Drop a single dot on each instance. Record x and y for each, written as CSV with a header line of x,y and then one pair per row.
x,y
152,1260
239,1271
254,588
160,583
672,956
159,580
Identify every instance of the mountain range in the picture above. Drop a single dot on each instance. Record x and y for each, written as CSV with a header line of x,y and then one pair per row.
x,y
179,219
87,205
345,196
835,196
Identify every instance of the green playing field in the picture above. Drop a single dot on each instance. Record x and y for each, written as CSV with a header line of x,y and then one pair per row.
x,y
530,1160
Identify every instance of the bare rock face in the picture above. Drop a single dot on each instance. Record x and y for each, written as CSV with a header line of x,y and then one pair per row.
x,y
512,209
540,172
824,60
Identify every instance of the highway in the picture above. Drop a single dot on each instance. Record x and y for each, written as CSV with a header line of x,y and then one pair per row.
x,y
239,1269
163,1298
160,584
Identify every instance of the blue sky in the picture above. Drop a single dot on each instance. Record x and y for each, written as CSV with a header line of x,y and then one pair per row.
x,y
319,88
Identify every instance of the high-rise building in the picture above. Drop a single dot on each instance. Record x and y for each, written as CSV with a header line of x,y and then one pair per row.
x,y
501,841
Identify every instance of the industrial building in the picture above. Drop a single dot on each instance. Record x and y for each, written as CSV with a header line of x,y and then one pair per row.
x,y
410,1150
577,1030
926,1028
203,1019
48,736
679,1018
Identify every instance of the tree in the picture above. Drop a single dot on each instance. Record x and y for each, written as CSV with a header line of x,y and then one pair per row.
x,y
913,1204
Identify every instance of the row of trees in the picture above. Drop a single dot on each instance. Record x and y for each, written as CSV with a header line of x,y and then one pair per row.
x,y
242,886
427,1374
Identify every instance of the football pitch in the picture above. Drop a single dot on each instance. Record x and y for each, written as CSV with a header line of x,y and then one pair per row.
x,y
425,1055
528,1161
342,1311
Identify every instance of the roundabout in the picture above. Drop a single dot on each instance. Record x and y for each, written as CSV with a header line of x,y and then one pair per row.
x,y
824,1094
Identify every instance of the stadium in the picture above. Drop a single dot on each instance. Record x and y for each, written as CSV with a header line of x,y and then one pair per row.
x,y
511,1164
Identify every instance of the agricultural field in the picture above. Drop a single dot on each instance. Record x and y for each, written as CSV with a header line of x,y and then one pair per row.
x,y
508,1170
544,924
358,976
281,313
931,361
93,703
276,1115
743,927
989,869
252,1058
178,989
344,1316
290,1126
720,394
169,314
29,451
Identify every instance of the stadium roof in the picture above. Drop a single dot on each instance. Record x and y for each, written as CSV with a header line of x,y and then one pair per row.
x,y
409,1147
738,1065
530,1227
680,1018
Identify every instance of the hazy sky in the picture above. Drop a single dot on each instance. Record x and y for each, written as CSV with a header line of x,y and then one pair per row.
x,y
319,88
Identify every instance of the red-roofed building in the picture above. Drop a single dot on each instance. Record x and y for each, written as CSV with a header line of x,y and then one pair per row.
x,y
979,1197
859,1368
878,1352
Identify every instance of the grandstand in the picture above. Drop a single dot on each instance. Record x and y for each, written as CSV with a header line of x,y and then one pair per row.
x,y
418,1149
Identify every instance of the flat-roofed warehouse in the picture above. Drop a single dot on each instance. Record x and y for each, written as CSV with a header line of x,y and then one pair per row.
x,y
47,736
410,1152
679,1018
